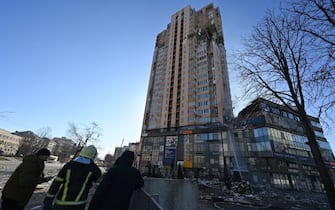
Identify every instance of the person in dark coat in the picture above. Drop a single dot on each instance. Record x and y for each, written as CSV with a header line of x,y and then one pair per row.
x,y
70,188
116,188
22,183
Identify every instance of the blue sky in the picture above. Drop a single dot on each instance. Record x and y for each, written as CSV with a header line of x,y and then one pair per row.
x,y
87,61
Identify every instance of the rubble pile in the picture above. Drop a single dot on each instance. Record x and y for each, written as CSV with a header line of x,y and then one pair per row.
x,y
240,195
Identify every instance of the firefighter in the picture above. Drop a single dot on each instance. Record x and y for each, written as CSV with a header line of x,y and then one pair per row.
x,y
71,186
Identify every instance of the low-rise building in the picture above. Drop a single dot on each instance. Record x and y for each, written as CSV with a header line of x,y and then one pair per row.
x,y
63,147
9,143
265,144
31,142
277,147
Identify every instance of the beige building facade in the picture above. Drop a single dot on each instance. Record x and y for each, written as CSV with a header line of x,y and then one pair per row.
x,y
9,143
189,83
188,102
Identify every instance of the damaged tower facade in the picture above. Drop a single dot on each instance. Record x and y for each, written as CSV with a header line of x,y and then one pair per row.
x,y
188,106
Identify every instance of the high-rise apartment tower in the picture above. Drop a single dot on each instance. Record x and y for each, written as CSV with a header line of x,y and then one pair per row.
x,y
189,82
188,86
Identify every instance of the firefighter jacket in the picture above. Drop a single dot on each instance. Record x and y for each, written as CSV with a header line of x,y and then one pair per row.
x,y
22,183
73,183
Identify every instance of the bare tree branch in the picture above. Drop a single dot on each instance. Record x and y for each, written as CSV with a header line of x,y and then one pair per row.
x,y
44,132
84,135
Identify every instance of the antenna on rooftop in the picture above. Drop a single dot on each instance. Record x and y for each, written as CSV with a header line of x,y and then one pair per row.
x,y
122,142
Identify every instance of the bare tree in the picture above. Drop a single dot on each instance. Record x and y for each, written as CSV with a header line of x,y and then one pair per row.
x,y
30,142
64,148
317,19
276,65
83,135
44,132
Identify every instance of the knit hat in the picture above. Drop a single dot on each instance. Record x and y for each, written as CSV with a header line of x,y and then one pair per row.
x,y
89,152
43,151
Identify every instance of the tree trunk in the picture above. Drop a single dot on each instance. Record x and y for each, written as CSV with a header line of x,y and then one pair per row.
x,y
319,162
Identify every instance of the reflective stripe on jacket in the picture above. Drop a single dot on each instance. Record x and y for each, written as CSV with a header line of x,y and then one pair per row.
x,y
73,183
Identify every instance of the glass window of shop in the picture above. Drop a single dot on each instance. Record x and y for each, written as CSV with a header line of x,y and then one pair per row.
x,y
199,161
208,136
280,180
199,147
215,147
261,134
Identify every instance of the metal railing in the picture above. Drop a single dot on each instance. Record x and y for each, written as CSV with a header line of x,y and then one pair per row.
x,y
144,201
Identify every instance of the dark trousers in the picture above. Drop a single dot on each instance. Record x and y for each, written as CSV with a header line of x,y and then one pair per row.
x,y
9,204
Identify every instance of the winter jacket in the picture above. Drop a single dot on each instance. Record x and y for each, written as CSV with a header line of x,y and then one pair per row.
x,y
72,184
23,181
115,190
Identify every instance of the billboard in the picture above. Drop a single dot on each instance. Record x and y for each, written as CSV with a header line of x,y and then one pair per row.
x,y
170,151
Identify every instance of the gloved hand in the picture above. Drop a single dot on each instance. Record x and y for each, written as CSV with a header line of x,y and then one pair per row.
x,y
47,203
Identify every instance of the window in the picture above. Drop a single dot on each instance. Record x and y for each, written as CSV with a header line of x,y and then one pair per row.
x,y
315,124
215,136
290,115
260,132
319,134
204,119
265,107
204,136
263,146
199,147
215,147
324,145
281,180
147,148
275,111
191,119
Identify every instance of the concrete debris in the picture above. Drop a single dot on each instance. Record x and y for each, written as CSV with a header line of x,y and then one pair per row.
x,y
243,196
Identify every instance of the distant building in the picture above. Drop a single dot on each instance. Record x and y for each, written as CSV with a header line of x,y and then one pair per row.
x,y
9,143
63,147
31,142
26,134
119,150
134,147
52,144
277,149
27,142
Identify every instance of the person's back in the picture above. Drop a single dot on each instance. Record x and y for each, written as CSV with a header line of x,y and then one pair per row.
x,y
73,182
22,183
115,190
77,179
